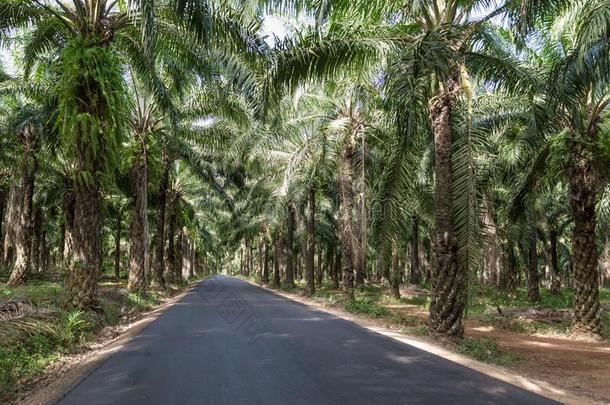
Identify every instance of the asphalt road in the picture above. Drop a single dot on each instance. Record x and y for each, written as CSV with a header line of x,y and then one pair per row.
x,y
228,342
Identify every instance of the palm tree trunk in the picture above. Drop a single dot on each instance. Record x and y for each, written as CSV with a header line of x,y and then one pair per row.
x,y
59,259
23,251
290,246
533,277
509,277
11,221
346,193
336,268
415,276
186,256
320,268
555,276
68,237
311,243
35,240
395,277
139,227
86,242
360,253
448,277
586,317
248,257
265,275
171,235
178,259
117,246
276,263
159,266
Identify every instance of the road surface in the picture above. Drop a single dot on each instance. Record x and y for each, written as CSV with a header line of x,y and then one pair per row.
x,y
229,342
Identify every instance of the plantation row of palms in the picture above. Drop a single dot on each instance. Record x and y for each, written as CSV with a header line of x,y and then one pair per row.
x,y
446,143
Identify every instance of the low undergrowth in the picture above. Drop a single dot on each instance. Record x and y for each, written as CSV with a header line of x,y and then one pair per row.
x,y
366,306
36,328
486,350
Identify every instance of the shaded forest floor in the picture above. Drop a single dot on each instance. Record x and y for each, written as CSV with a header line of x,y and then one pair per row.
x,y
532,341
40,336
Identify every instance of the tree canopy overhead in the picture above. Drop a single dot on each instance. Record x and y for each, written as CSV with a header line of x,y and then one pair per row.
x,y
445,143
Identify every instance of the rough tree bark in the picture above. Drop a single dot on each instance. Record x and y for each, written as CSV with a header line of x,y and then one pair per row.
x,y
346,206
583,180
117,245
448,277
395,276
290,246
336,268
555,275
509,276
265,275
415,275
533,276
276,262
171,236
25,227
86,242
320,269
139,227
11,223
68,236
159,266
178,259
311,243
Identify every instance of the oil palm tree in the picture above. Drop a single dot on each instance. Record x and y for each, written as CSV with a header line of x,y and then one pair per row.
x,y
88,42
440,41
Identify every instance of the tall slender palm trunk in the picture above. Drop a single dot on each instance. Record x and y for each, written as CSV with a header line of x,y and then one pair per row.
x,y
555,276
265,274
117,245
509,276
320,268
139,227
533,277
171,237
336,267
448,277
311,242
11,221
159,266
68,207
395,277
583,179
290,246
346,192
25,227
415,275
276,262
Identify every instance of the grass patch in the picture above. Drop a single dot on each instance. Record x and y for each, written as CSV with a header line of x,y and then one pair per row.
x,y
32,343
366,306
47,293
486,299
142,302
486,350
604,295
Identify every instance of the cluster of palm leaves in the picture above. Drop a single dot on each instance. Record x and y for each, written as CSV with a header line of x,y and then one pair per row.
x,y
438,142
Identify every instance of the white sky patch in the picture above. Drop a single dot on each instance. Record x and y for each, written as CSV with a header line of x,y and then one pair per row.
x,y
273,29
204,122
